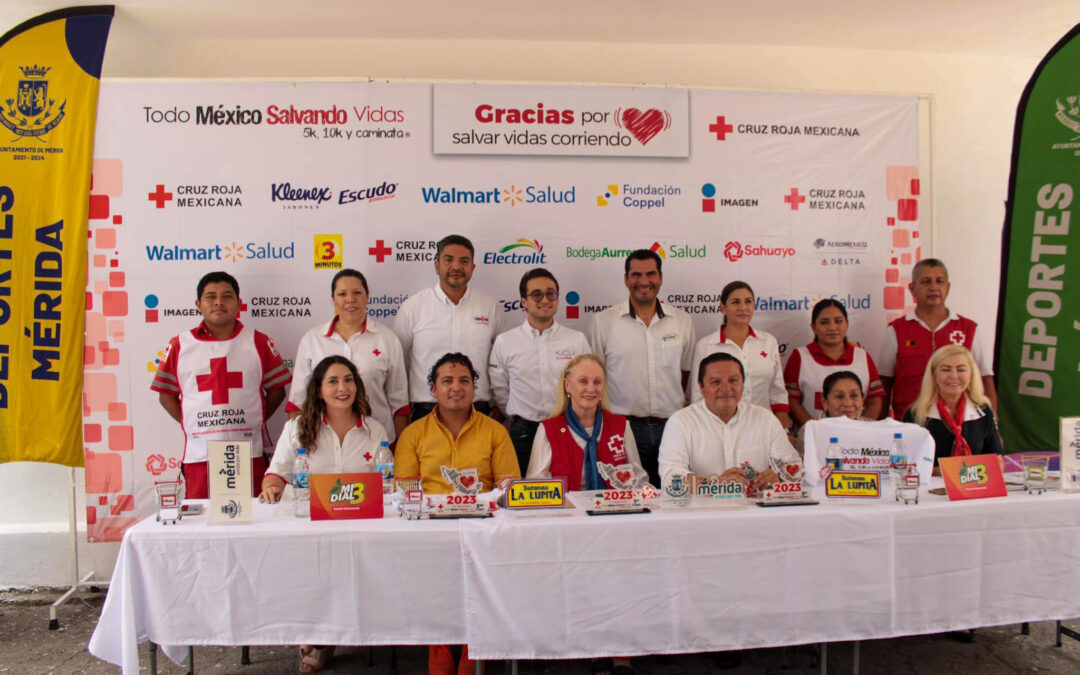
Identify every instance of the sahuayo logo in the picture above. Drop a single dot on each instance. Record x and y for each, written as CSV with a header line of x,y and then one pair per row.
x,y
709,200
735,251
312,197
678,250
644,197
521,252
513,195
197,196
230,252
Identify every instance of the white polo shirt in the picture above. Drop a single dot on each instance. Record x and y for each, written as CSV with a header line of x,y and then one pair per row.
x,y
356,454
644,364
760,357
526,368
376,353
698,441
886,360
429,324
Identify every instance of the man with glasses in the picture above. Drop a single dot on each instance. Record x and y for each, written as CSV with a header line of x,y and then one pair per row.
x,y
526,362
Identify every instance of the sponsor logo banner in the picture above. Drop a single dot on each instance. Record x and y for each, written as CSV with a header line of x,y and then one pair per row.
x,y
597,121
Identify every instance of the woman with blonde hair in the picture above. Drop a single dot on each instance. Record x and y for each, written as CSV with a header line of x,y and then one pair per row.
x,y
582,436
953,406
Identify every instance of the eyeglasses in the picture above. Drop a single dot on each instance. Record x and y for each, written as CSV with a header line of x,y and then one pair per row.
x,y
537,296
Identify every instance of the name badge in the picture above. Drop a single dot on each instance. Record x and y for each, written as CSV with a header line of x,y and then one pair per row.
x,y
853,484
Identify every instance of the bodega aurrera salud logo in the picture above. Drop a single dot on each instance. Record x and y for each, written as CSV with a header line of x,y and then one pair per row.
x,y
32,114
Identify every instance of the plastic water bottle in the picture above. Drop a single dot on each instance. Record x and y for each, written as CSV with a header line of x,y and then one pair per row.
x,y
832,454
384,464
899,452
301,483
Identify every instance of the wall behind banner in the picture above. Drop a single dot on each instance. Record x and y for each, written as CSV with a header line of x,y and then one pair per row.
x,y
973,102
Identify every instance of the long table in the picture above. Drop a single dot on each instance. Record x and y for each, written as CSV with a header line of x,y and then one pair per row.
x,y
573,586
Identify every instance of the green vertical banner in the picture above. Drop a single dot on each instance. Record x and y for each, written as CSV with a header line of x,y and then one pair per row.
x,y
1037,359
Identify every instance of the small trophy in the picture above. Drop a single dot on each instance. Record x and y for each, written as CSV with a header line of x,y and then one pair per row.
x,y
907,484
677,489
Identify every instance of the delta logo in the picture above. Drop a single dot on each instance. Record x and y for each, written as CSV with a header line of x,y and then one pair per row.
x,y
677,251
231,252
521,252
709,200
735,251
642,197
514,195
205,196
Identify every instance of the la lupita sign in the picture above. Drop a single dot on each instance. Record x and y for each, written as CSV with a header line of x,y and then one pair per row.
x,y
229,474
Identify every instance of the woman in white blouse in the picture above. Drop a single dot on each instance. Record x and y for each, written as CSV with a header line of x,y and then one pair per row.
x,y
758,351
335,427
371,346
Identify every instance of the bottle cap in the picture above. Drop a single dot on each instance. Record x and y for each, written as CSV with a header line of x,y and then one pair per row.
x,y
384,444
834,439
301,451
897,436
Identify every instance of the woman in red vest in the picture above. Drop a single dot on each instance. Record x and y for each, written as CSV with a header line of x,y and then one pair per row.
x,y
588,447
582,442
953,406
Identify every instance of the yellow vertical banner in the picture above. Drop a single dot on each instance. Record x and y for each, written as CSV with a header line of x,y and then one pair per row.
x,y
50,68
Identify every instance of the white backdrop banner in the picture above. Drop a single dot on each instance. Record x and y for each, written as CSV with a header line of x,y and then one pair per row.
x,y
283,183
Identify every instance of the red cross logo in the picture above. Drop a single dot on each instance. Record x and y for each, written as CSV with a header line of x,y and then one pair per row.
x,y
367,456
219,381
721,128
376,351
794,199
957,337
380,250
159,196
764,354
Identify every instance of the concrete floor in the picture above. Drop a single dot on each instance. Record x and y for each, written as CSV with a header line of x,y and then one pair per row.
x,y
27,646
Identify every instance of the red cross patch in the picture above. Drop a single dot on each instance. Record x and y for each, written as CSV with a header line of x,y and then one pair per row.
x,y
376,351
957,337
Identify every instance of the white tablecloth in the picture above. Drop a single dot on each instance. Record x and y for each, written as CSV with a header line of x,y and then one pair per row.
x,y
282,580
580,586
703,581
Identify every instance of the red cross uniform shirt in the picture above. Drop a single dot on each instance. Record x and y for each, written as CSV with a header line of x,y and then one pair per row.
x,y
221,385
808,367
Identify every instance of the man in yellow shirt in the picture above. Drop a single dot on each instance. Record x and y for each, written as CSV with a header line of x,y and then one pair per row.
x,y
454,448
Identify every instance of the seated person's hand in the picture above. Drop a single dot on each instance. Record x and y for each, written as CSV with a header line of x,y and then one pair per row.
x,y
765,479
271,490
736,474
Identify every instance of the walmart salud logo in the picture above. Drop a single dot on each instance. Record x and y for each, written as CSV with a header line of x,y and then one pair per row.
x,y
521,252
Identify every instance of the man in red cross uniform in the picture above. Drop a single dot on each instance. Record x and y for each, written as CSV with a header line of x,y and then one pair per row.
x,y
220,381
911,339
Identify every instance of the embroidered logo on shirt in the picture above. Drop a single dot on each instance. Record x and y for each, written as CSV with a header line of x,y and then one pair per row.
x,y
615,444
764,354
481,319
669,337
376,351
957,337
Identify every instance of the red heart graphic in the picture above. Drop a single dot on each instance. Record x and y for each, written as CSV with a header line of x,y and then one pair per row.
x,y
623,476
643,125
792,469
467,481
